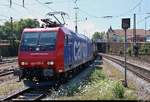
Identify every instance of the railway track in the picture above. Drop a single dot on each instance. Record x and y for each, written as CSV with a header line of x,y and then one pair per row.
x,y
136,69
27,94
33,94
9,68
8,60
6,73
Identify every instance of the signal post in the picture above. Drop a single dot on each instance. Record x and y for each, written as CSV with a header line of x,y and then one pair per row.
x,y
125,26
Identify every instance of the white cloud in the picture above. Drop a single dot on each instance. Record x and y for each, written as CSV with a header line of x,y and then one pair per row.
x,y
26,17
87,27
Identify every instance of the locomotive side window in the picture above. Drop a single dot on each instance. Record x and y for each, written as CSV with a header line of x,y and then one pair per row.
x,y
69,39
66,39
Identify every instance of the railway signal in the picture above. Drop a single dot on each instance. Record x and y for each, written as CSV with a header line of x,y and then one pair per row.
x,y
125,26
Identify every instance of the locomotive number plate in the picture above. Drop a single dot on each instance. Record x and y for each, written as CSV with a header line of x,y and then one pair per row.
x,y
37,63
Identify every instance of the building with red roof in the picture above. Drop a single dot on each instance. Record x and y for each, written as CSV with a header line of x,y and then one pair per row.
x,y
117,35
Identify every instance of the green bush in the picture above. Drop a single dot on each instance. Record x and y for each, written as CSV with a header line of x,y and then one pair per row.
x,y
129,51
72,90
97,75
119,90
144,49
110,51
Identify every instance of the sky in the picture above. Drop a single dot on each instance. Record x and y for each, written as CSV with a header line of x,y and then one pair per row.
x,y
91,13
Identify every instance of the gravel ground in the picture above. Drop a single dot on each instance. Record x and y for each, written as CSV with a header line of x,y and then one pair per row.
x,y
143,87
10,87
7,78
8,65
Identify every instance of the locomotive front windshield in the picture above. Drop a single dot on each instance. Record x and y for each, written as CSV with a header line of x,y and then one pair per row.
x,y
38,41
30,39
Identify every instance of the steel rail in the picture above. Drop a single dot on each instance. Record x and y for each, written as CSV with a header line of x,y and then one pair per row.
x,y
6,73
15,94
26,94
8,61
134,68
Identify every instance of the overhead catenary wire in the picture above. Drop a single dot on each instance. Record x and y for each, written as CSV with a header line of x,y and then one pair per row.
x,y
132,9
75,1
17,4
44,5
23,6
140,21
83,11
113,16
4,16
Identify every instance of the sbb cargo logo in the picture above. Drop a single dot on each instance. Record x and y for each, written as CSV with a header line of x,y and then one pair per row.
x,y
80,50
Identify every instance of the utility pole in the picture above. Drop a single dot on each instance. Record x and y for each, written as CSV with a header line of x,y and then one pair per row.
x,y
10,3
125,57
11,26
146,25
134,30
145,28
11,21
23,3
12,41
76,16
76,19
135,46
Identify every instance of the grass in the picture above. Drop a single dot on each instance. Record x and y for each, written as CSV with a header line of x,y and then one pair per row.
x,y
118,90
100,87
114,74
72,90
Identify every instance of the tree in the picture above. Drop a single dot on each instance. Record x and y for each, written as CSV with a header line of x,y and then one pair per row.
x,y
98,35
7,33
18,26
24,23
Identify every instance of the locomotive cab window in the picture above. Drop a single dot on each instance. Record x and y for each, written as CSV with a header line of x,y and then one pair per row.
x,y
47,38
30,38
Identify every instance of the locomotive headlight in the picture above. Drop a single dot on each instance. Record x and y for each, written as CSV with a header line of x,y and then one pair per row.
x,y
24,63
50,63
